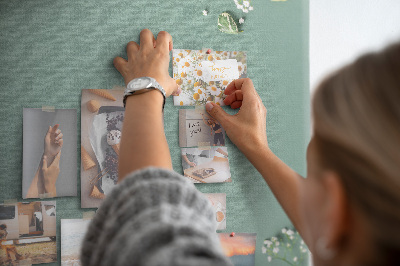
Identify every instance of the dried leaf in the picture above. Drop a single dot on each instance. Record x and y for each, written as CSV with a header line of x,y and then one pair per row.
x,y
227,24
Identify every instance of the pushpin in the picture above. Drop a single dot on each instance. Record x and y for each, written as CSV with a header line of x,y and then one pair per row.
x,y
208,51
232,234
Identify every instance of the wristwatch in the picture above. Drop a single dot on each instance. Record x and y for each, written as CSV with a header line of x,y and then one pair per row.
x,y
142,85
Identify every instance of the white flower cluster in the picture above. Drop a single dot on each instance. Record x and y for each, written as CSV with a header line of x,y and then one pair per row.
x,y
244,5
286,244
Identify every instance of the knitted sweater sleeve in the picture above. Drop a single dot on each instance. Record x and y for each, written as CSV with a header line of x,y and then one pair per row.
x,y
153,217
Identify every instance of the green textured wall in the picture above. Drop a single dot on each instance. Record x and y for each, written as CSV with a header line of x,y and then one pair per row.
x,y
50,50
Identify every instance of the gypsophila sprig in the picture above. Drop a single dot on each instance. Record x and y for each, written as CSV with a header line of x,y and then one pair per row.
x,y
287,246
244,5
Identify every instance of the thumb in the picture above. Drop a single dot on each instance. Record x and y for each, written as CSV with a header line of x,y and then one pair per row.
x,y
44,163
217,112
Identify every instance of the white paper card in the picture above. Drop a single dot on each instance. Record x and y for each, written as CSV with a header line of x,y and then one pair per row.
x,y
219,70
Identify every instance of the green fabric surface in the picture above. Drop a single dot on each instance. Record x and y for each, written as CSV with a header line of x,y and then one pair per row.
x,y
50,50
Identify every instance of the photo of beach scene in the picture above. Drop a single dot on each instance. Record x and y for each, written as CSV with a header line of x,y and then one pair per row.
x,y
239,247
28,233
72,234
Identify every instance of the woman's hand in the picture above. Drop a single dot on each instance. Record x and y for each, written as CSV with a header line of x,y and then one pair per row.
x,y
149,59
50,174
53,142
247,128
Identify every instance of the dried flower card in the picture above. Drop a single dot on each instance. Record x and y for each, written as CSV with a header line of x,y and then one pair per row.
x,y
204,76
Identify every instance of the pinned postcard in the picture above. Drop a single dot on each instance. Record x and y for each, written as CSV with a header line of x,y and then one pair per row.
x,y
28,233
240,248
203,77
72,234
197,128
218,201
206,165
49,153
102,114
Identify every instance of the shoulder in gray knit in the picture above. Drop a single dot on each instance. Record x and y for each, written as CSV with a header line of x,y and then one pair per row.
x,y
154,217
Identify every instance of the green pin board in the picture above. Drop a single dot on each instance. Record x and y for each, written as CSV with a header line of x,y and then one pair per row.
x,y
51,50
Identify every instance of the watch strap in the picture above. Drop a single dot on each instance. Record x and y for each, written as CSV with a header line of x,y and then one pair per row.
x,y
154,85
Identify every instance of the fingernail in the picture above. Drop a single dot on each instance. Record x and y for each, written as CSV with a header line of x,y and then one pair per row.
x,y
209,106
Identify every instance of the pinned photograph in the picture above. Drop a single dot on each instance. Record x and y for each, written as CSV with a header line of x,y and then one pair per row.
x,y
239,247
49,153
197,129
102,114
204,74
72,233
28,233
206,164
218,201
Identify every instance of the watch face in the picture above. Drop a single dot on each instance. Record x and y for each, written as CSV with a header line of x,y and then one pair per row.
x,y
140,83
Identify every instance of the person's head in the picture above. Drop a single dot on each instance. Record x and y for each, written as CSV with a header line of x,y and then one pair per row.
x,y
210,122
351,198
3,226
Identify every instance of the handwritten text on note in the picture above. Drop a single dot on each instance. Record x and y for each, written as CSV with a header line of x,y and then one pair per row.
x,y
219,70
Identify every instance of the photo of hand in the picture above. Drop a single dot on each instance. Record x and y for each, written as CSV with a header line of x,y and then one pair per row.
x,y
44,182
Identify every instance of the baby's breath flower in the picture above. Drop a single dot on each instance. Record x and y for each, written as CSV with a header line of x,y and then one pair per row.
x,y
277,243
288,245
269,258
251,8
284,231
295,259
267,242
246,3
291,237
290,232
275,250
273,239
264,250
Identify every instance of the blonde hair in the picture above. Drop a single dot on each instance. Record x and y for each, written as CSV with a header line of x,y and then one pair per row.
x,y
356,116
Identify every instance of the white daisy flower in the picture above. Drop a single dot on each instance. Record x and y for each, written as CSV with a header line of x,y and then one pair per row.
x,y
205,12
241,20
246,3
